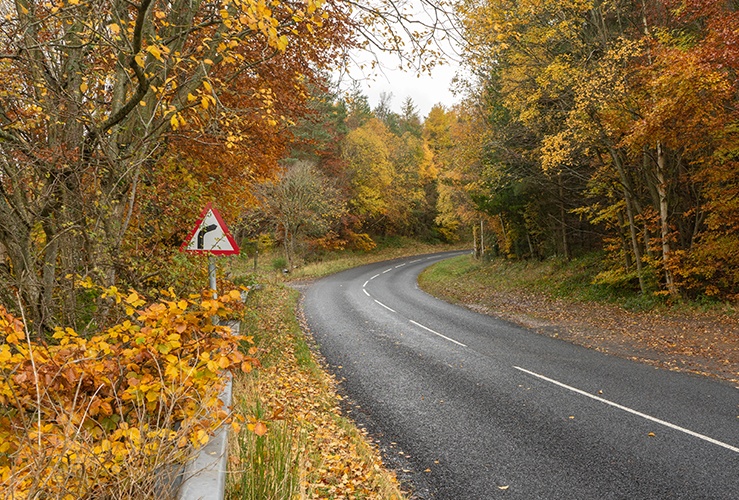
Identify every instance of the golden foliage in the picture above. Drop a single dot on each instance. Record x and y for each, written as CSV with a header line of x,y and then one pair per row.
x,y
140,395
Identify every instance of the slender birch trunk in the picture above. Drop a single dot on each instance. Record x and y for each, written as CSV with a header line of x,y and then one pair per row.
x,y
664,218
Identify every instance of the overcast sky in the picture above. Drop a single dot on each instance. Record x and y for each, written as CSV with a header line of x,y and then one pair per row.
x,y
424,90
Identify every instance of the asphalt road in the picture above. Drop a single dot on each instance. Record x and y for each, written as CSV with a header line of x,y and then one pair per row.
x,y
466,406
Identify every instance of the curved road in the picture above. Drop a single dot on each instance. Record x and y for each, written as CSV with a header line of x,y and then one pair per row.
x,y
467,406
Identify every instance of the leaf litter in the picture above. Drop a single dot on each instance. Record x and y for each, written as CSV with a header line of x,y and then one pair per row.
x,y
705,343
339,460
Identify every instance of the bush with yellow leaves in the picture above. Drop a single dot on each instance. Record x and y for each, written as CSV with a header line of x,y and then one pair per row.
x,y
110,416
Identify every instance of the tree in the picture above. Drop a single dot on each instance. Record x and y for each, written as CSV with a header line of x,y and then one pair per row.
x,y
409,120
93,90
413,192
359,110
366,151
300,201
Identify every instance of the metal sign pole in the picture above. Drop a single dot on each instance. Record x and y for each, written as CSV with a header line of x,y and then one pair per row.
x,y
212,275
212,282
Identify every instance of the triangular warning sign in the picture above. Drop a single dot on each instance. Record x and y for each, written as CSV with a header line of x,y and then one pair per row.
x,y
210,235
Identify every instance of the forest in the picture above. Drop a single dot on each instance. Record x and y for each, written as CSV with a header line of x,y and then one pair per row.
x,y
611,126
584,127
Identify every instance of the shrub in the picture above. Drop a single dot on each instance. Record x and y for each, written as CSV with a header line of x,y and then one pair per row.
x,y
97,417
279,263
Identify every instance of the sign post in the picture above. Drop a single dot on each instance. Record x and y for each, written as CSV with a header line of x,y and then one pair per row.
x,y
212,274
210,236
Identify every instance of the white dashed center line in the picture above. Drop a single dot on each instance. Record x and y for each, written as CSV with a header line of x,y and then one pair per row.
x,y
436,333
633,412
364,289
386,307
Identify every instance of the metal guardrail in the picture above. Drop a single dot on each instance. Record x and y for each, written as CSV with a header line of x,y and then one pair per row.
x,y
204,477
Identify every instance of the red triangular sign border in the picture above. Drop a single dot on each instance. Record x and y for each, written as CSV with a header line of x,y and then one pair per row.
x,y
226,232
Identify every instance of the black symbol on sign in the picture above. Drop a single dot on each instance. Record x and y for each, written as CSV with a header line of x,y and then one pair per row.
x,y
202,232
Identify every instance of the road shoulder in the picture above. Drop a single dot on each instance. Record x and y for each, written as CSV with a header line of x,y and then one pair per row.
x,y
701,343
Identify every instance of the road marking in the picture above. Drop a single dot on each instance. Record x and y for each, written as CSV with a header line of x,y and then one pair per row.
x,y
364,289
634,412
386,307
437,333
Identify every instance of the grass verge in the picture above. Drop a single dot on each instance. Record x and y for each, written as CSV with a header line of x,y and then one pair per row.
x,y
295,443
571,280
560,299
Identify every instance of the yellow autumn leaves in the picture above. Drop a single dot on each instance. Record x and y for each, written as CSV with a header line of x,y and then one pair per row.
x,y
78,410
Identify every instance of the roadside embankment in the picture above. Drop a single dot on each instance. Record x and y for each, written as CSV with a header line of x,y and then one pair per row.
x,y
294,441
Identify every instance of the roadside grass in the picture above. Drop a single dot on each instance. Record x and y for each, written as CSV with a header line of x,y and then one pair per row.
x,y
294,443
268,465
334,262
463,279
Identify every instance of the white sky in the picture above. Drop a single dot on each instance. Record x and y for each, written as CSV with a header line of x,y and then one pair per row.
x,y
424,90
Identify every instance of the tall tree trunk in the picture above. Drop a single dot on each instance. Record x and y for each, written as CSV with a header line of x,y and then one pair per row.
x,y
286,244
25,276
664,217
628,198
534,255
51,253
624,242
504,249
475,249
482,239
562,217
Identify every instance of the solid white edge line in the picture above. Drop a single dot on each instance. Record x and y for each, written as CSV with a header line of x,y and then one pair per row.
x,y
634,412
437,333
383,305
366,292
